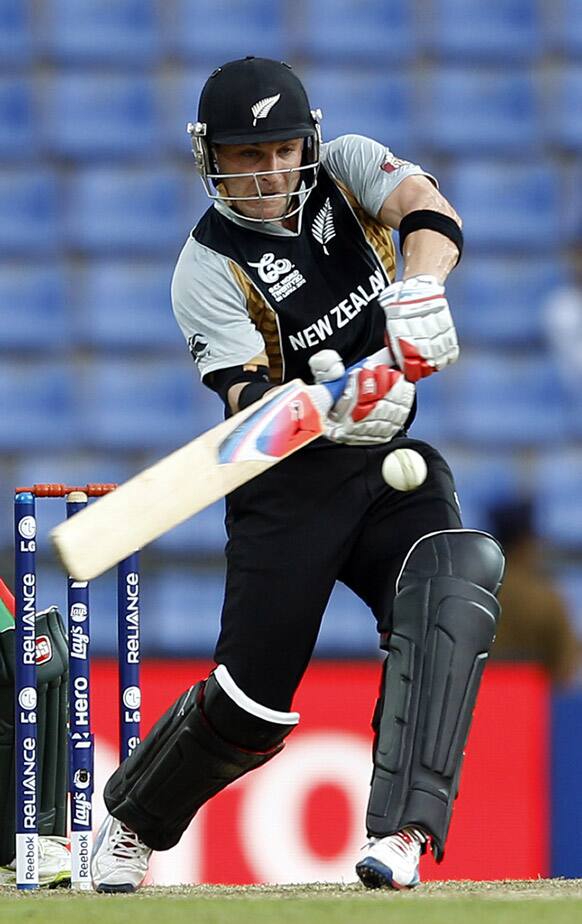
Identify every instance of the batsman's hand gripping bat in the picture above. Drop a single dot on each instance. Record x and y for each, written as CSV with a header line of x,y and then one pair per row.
x,y
193,477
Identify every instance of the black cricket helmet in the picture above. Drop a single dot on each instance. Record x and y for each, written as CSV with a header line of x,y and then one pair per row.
x,y
249,101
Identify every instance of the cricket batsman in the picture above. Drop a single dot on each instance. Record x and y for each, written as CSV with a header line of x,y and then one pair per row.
x,y
291,273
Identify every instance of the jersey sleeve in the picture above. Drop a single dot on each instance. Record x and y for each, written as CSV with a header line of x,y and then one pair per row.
x,y
369,169
211,311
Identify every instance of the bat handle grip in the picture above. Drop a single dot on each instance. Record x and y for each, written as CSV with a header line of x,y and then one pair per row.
x,y
337,386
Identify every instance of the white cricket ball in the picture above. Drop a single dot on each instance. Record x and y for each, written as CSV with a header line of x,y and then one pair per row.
x,y
404,469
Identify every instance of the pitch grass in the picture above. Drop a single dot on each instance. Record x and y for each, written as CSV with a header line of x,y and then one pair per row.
x,y
554,901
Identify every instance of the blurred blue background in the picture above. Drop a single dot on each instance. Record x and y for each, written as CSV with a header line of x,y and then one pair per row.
x,y
98,192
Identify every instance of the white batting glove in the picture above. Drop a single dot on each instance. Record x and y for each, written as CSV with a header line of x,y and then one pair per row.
x,y
420,329
375,403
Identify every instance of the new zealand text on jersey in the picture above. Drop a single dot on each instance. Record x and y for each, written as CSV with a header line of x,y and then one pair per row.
x,y
340,315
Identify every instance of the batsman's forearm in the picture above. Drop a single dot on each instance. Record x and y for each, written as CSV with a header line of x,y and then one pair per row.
x,y
427,251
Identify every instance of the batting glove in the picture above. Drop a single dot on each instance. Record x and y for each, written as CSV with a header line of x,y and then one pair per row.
x,y
374,405
420,330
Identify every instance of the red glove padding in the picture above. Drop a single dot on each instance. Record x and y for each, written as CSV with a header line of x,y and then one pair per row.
x,y
375,403
372,384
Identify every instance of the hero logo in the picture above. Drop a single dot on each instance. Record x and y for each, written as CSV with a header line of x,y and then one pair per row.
x,y
271,270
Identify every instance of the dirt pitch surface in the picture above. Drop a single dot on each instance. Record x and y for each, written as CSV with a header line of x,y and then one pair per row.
x,y
555,901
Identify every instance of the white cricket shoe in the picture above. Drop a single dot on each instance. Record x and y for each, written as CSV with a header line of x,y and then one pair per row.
x,y
54,864
119,861
392,862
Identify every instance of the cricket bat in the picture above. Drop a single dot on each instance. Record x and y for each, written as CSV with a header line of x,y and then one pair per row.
x,y
193,477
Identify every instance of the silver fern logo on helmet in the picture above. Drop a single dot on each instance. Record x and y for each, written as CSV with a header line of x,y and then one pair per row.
x,y
322,228
262,109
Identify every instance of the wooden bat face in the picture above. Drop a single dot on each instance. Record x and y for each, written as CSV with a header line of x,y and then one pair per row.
x,y
199,473
188,480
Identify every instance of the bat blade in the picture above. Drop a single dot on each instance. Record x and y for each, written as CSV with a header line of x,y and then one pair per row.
x,y
188,480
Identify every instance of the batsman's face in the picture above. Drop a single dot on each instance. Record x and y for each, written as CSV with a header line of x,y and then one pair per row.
x,y
276,164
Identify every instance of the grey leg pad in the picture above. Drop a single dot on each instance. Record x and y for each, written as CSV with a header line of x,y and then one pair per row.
x,y
444,621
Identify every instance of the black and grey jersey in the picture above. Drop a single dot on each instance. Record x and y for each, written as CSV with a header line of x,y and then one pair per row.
x,y
244,292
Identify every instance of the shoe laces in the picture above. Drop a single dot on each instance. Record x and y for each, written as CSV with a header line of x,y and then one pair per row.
x,y
126,844
409,838
404,840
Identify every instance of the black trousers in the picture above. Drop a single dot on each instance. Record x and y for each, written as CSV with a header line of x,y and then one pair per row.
x,y
322,515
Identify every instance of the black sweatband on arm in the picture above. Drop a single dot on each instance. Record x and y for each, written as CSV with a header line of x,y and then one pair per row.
x,y
432,221
221,380
252,392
